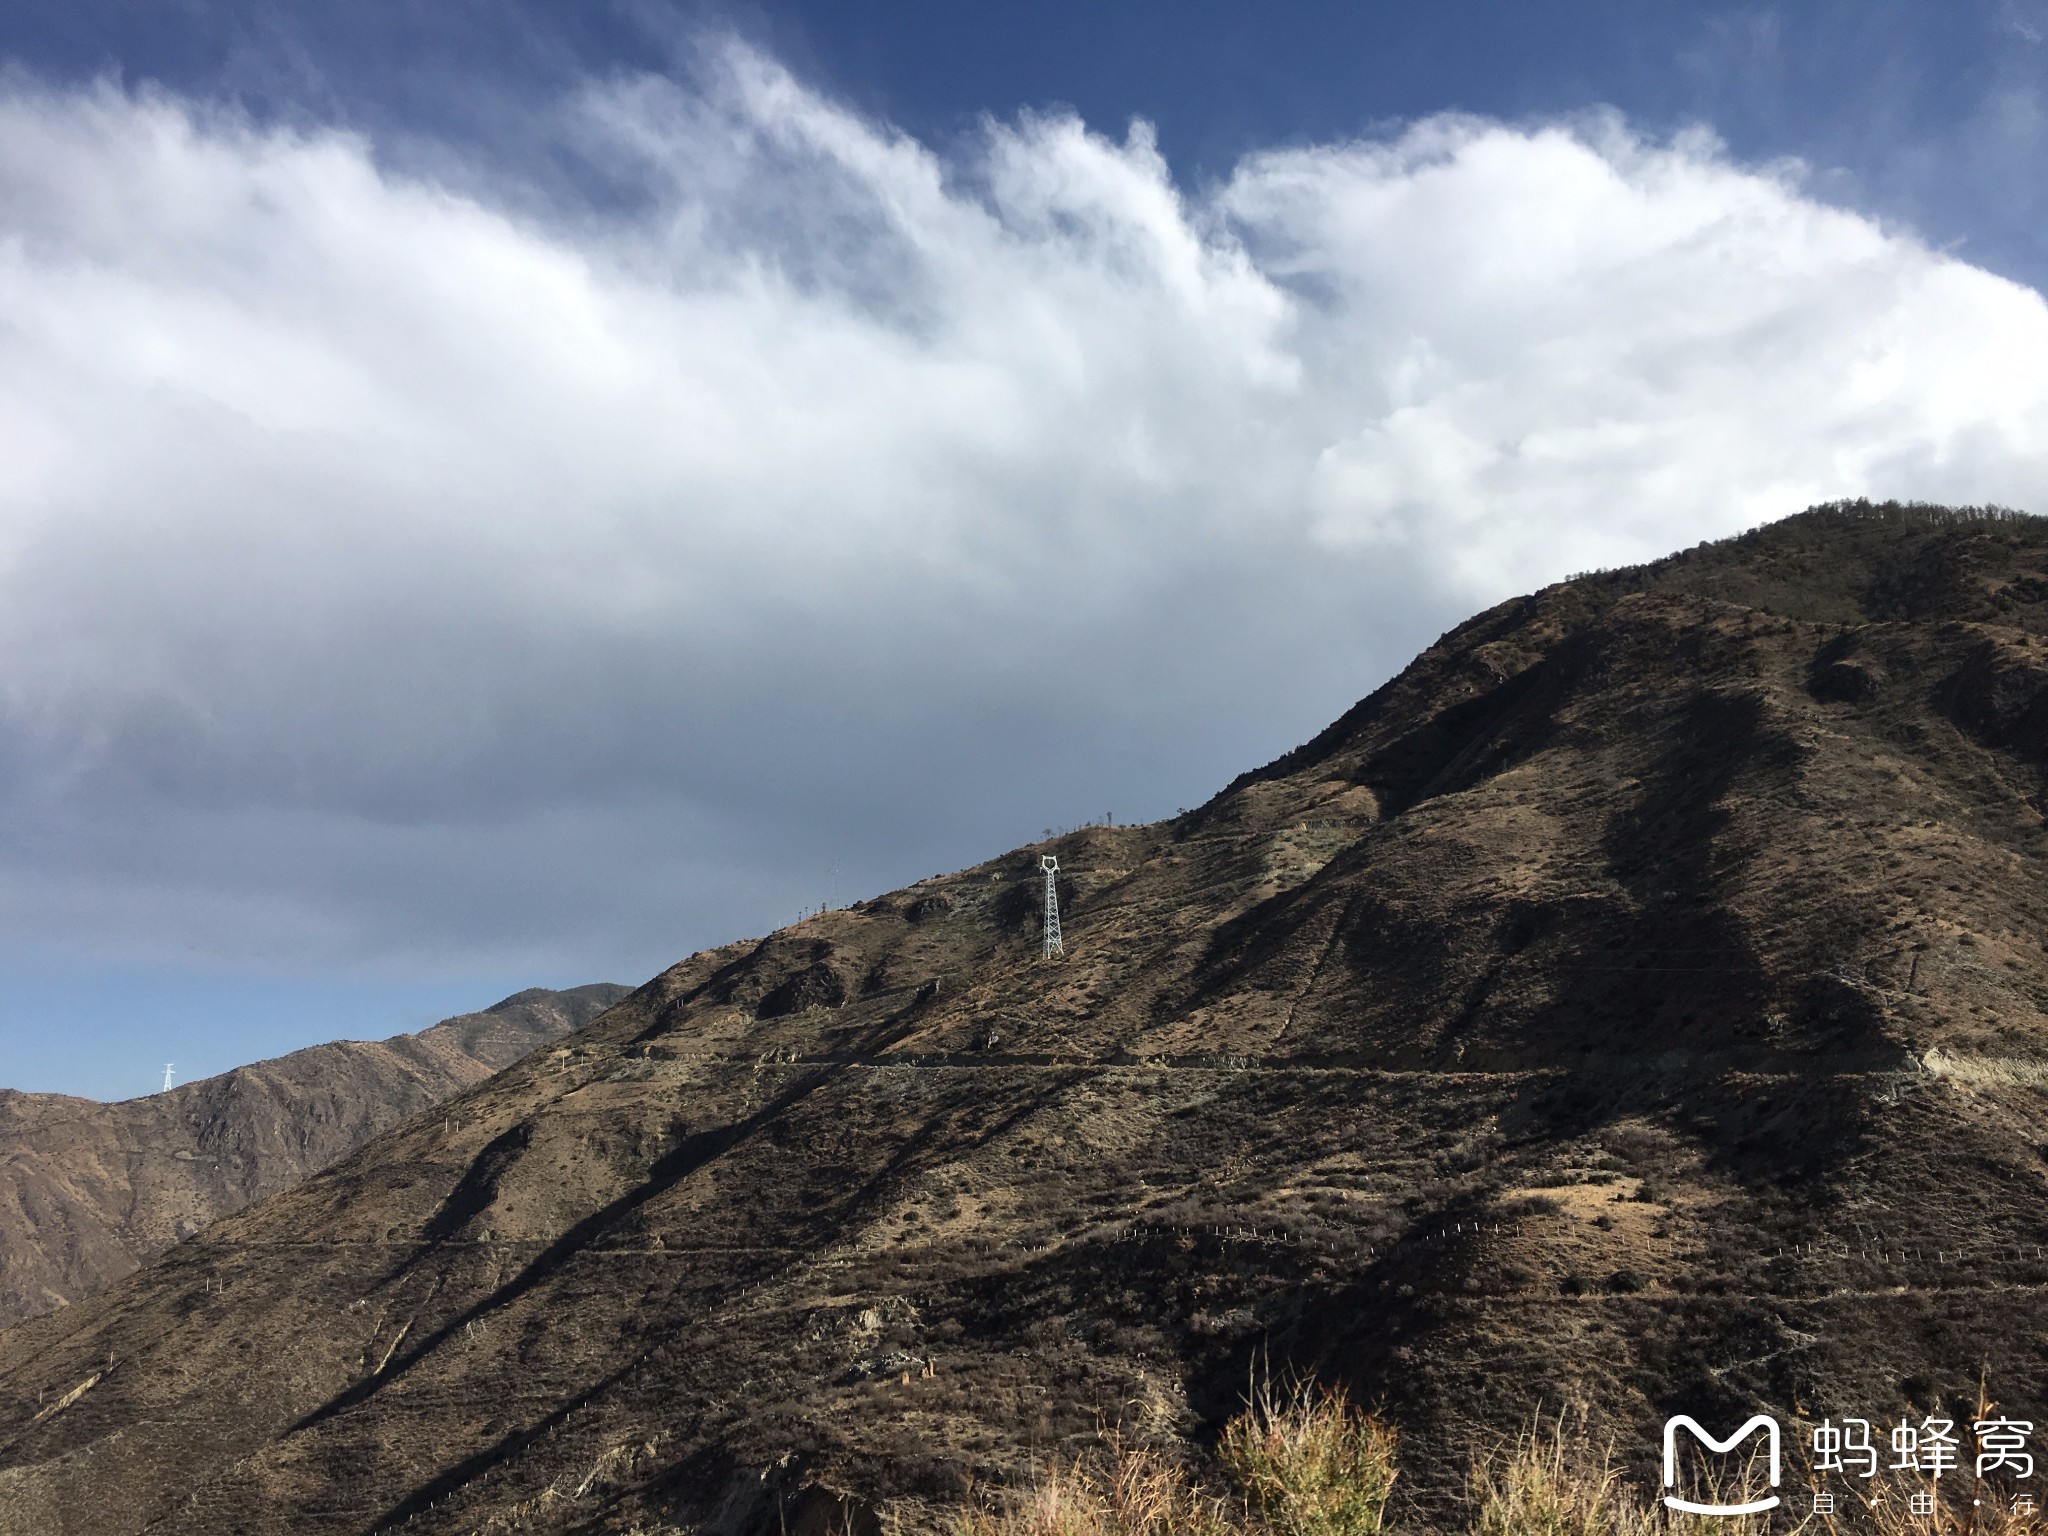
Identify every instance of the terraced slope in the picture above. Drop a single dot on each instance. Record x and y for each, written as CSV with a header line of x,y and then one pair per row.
x,y
89,1191
1638,999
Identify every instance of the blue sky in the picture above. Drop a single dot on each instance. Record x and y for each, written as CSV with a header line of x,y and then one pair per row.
x,y
510,495
1924,112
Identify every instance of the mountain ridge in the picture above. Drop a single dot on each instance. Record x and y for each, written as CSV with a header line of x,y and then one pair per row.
x,y
89,1191
1640,1000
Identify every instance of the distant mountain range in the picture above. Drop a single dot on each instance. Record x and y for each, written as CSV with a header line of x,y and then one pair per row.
x,y
91,1191
1640,1002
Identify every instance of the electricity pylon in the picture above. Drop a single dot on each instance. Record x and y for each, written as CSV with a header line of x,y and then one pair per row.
x,y
1053,945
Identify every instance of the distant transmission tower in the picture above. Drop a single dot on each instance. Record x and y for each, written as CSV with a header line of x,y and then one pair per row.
x,y
167,1077
1053,946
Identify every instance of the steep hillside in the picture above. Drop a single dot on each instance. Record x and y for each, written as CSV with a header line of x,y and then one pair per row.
x,y
1639,999
90,1191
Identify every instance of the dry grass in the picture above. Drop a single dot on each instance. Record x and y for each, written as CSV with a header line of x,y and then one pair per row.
x,y
1130,1492
1542,1486
1952,1512
1300,1463
1309,1465
1553,1481
1986,1071
1962,1505
553,1503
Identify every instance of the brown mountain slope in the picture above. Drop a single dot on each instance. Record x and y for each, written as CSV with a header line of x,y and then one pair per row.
x,y
90,1191
1640,998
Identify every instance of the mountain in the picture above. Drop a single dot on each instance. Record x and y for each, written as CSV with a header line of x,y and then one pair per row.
x,y
90,1191
1638,1000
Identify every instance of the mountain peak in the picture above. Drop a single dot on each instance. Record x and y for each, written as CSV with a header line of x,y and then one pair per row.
x,y
94,1190
1637,1001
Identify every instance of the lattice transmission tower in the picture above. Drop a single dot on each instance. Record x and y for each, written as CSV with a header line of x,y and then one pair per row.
x,y
1053,946
167,1077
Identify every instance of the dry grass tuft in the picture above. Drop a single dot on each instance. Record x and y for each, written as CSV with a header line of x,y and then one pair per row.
x,y
1552,1481
1309,1464
1304,1463
1986,1071
1541,1486
1131,1492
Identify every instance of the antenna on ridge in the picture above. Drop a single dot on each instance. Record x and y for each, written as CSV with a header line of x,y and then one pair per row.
x,y
1053,945
167,1077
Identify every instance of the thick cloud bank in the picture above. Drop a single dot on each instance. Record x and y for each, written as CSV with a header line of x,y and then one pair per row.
x,y
403,571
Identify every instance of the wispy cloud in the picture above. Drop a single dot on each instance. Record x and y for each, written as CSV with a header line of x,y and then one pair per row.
x,y
388,566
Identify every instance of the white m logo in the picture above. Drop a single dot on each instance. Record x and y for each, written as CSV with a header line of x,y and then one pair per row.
x,y
1762,1421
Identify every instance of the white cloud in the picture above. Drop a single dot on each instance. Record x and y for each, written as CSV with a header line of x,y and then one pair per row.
x,y
814,495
